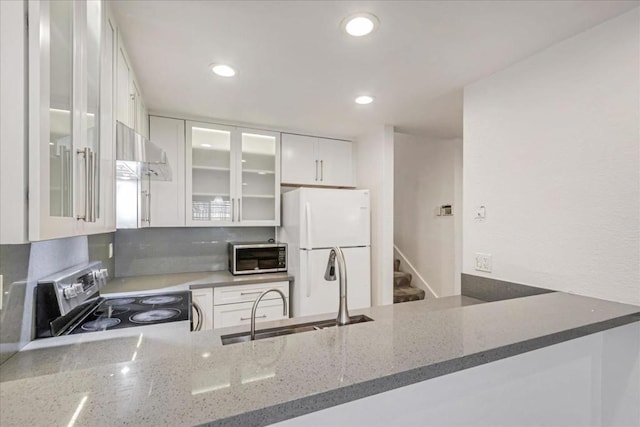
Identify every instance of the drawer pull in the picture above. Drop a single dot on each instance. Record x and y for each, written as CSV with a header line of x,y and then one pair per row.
x,y
250,293
264,316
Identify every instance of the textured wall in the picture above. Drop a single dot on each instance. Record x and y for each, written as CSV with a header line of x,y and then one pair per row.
x,y
179,250
551,148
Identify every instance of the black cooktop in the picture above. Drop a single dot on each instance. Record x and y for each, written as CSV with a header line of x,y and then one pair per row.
x,y
128,311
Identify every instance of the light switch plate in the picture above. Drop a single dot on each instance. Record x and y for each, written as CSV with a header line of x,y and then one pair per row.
x,y
483,262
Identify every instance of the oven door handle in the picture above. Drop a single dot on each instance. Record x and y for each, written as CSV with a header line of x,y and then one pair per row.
x,y
199,313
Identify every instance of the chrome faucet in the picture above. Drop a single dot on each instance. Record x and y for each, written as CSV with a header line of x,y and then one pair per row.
x,y
255,307
330,274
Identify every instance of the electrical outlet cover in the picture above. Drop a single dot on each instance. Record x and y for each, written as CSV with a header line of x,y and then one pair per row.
x,y
483,262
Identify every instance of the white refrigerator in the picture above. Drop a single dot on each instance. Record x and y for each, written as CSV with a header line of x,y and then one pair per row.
x,y
313,221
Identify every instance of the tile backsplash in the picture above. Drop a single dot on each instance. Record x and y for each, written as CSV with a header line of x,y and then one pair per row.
x,y
22,266
179,250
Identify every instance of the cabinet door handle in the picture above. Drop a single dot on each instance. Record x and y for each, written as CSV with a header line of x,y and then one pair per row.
x,y
149,207
85,153
91,183
233,209
250,293
316,170
67,165
264,316
321,170
239,209
146,207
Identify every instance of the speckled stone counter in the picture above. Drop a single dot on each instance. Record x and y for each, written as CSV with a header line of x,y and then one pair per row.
x,y
206,279
169,376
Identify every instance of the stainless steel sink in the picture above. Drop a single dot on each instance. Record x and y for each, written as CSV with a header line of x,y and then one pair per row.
x,y
290,329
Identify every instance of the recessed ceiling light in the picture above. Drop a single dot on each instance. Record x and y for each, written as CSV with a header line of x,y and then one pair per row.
x,y
223,70
364,99
360,24
205,145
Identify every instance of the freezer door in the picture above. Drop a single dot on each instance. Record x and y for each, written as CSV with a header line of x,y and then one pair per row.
x,y
334,218
314,295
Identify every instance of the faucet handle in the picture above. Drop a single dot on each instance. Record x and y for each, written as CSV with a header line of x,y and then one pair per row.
x,y
330,272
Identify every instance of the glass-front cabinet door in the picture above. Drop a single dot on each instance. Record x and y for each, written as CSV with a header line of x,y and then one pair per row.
x,y
233,176
60,141
68,80
258,176
210,162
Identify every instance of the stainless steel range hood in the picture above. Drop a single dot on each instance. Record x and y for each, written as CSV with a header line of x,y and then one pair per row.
x,y
136,156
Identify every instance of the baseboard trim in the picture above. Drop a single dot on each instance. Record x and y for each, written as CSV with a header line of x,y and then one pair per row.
x,y
420,280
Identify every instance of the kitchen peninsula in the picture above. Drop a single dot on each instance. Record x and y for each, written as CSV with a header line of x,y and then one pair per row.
x,y
167,375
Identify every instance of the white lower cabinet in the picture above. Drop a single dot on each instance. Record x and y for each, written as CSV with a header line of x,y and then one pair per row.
x,y
232,304
240,314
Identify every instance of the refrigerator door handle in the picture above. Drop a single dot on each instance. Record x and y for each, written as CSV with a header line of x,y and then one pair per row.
x,y
308,275
307,213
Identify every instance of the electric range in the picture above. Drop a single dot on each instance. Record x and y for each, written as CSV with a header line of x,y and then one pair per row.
x,y
69,303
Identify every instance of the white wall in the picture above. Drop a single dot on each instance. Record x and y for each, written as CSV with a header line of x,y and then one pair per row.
x,y
13,140
427,174
374,169
552,149
589,381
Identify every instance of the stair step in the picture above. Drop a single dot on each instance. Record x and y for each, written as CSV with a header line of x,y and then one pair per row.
x,y
401,279
407,293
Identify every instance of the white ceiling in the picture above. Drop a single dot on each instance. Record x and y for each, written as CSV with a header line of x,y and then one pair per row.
x,y
298,71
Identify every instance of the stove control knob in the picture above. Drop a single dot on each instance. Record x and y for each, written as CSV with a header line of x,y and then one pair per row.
x,y
69,292
78,288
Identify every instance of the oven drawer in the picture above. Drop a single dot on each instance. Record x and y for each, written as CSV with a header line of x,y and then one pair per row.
x,y
240,314
248,293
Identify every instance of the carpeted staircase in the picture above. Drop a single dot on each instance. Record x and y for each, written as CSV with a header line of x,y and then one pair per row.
x,y
402,289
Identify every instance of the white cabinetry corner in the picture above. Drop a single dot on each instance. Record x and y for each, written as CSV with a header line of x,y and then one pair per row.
x,y
71,137
167,205
232,176
308,160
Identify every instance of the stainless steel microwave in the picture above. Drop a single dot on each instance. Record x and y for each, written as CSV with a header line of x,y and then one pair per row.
x,y
251,258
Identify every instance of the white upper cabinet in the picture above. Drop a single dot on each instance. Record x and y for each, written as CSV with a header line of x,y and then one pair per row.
x,y
70,119
232,176
167,197
315,161
131,109
299,161
123,93
336,162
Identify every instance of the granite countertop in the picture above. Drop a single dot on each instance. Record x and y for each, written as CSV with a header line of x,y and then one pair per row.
x,y
205,279
170,376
